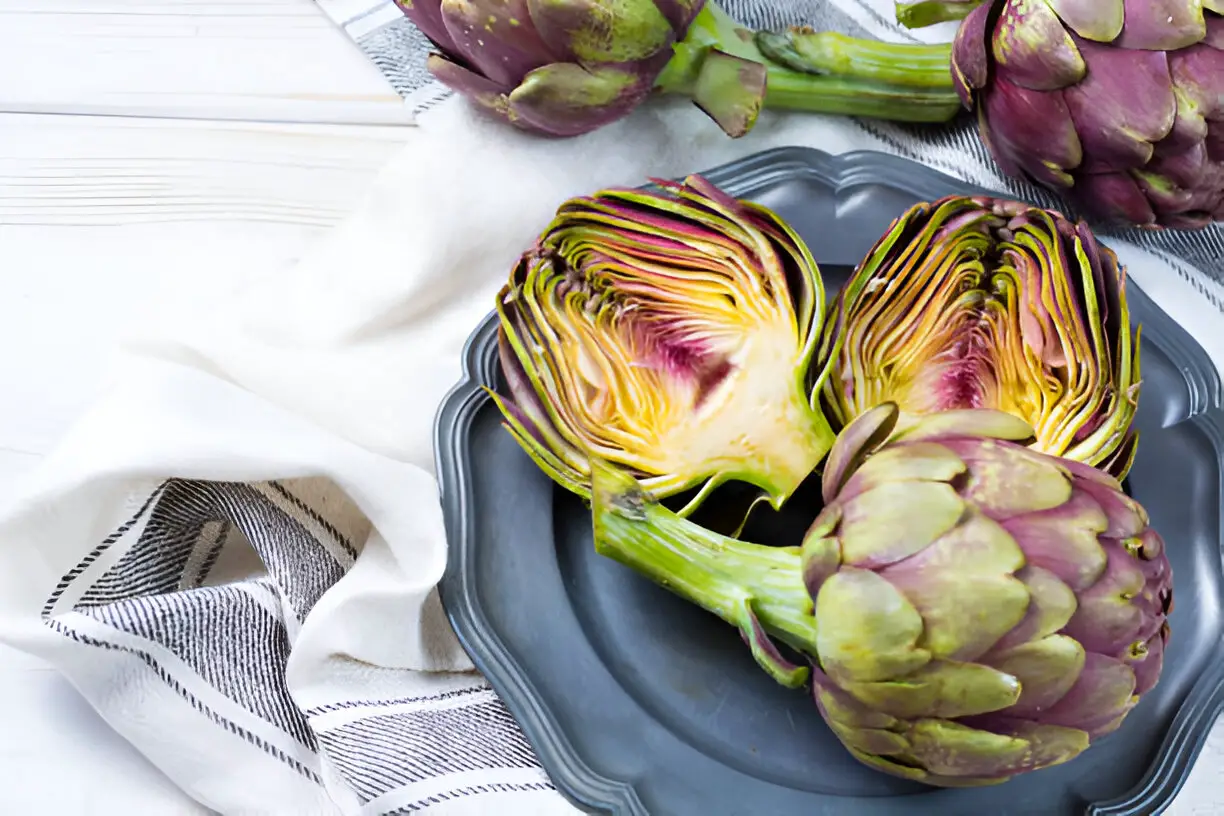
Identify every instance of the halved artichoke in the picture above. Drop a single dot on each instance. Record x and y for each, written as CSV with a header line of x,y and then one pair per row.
x,y
669,332
973,302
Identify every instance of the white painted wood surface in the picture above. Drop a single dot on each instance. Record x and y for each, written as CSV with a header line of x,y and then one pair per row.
x,y
218,59
150,149
107,220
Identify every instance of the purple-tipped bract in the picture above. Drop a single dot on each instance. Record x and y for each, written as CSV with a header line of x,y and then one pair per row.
x,y
559,68
1116,104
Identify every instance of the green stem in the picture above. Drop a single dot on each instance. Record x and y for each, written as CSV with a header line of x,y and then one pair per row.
x,y
757,589
731,72
849,97
830,53
929,12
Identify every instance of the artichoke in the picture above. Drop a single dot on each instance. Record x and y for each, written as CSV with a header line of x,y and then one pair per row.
x,y
973,302
972,609
669,332
1117,104
565,67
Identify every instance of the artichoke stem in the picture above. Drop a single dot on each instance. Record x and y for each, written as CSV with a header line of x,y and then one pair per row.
x,y
757,589
849,97
731,72
832,54
930,12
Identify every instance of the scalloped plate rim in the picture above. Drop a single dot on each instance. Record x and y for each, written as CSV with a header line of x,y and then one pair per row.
x,y
571,775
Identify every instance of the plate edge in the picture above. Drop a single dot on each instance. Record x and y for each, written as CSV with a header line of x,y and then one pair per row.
x,y
576,780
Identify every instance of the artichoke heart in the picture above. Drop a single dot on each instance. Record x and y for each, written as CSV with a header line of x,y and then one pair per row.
x,y
669,332
971,302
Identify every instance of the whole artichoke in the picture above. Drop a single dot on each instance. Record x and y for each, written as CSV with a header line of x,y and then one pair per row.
x,y
671,333
973,609
971,302
565,67
1117,104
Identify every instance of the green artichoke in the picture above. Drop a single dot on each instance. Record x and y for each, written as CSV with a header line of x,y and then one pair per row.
x,y
565,67
669,332
973,609
972,302
1117,104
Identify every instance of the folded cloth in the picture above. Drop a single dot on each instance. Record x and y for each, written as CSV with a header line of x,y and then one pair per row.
x,y
233,555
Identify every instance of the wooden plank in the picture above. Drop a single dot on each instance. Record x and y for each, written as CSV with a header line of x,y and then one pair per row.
x,y
106,223
268,60
96,171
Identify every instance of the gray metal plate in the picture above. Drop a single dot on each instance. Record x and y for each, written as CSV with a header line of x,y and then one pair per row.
x,y
638,703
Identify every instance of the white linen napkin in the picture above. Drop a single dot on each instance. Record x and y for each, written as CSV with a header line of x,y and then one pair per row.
x,y
233,555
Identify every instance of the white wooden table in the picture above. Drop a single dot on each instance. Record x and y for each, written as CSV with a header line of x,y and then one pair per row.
x,y
150,149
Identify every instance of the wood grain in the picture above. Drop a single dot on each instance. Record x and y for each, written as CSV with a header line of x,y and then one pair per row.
x,y
97,171
108,222
273,60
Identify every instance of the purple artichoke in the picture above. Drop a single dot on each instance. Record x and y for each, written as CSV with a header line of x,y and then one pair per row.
x,y
566,67
1117,104
973,609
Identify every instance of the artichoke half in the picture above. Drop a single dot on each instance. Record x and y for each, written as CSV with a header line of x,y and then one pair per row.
x,y
972,609
972,302
670,333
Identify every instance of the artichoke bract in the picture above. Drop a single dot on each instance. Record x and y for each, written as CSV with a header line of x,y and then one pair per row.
x,y
972,609
670,332
565,67
974,302
1116,104
921,13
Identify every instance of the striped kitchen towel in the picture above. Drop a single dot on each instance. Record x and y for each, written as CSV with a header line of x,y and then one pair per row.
x,y
233,555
